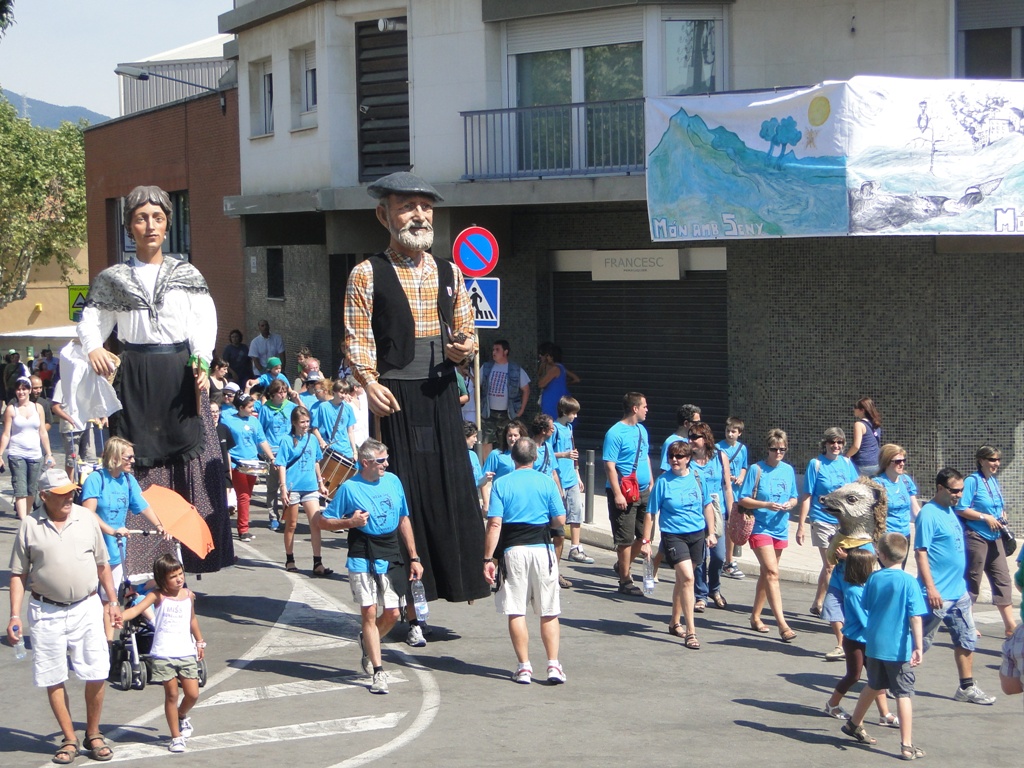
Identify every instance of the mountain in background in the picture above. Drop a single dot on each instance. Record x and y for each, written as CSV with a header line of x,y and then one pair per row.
x,y
44,115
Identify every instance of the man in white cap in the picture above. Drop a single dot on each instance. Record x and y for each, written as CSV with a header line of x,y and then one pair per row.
x,y
59,557
408,322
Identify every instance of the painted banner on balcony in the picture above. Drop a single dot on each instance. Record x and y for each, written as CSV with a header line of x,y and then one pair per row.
x,y
869,156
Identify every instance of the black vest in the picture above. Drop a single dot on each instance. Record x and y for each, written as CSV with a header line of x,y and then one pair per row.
x,y
393,328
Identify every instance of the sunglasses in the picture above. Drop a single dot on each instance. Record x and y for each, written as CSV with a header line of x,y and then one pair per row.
x,y
679,456
778,450
899,462
954,491
128,458
837,442
382,460
692,436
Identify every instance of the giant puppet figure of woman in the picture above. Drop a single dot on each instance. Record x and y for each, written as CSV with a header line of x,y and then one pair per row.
x,y
167,325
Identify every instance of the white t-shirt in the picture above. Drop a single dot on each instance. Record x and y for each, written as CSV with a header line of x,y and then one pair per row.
x,y
497,386
265,348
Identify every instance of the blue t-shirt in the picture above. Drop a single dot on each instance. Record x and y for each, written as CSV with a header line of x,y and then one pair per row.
x,y
265,379
673,438
891,598
855,618
712,477
308,399
776,484
478,471
985,496
546,462
499,462
115,498
525,496
680,501
620,444
385,502
323,420
736,455
938,531
897,517
276,422
562,442
838,577
247,434
301,475
824,476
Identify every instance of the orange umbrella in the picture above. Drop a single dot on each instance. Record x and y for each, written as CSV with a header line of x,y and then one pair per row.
x,y
180,519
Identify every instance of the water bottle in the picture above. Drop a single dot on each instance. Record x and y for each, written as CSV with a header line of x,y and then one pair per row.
x,y
20,652
648,576
419,601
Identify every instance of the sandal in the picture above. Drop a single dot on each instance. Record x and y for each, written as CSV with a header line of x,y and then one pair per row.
x,y
101,753
691,642
910,752
678,630
788,636
699,606
69,750
858,732
890,721
719,601
815,611
631,589
758,626
291,567
322,572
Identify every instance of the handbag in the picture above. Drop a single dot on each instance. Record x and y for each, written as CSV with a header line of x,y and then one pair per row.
x,y
741,519
1009,540
629,485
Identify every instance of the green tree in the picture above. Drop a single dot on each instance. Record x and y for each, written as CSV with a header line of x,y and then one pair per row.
x,y
42,199
6,15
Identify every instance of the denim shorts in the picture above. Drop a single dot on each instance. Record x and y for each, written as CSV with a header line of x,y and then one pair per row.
x,y
25,475
958,616
573,505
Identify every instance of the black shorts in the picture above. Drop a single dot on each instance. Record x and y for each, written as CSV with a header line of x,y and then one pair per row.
x,y
679,547
895,676
628,523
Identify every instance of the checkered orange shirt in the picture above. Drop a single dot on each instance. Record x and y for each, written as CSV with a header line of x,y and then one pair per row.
x,y
420,286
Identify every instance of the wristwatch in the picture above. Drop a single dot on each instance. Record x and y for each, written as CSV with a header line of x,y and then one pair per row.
x,y
415,560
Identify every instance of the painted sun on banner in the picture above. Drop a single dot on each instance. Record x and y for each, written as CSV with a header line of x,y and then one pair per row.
x,y
873,155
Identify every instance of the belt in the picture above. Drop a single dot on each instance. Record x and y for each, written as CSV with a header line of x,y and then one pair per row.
x,y
48,601
157,349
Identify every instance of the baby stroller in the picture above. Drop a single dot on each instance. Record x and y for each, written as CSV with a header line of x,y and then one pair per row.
x,y
129,653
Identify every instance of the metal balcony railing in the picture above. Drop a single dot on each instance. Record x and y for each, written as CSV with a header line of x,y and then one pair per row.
x,y
598,137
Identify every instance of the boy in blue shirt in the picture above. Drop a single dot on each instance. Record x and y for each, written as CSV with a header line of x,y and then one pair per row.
x,y
894,606
736,453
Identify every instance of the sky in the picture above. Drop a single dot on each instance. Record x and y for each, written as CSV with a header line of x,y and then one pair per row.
x,y
64,51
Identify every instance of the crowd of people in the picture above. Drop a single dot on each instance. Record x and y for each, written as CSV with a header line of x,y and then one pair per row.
x,y
420,513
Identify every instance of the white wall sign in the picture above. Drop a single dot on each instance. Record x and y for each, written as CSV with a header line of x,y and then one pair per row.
x,y
650,264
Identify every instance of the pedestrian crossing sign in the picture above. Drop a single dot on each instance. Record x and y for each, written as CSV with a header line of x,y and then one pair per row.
x,y
485,294
77,294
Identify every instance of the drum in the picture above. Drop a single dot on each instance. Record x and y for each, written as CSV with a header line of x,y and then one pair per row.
x,y
253,467
335,468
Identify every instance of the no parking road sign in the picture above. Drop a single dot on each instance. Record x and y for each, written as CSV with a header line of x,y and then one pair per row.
x,y
475,250
485,293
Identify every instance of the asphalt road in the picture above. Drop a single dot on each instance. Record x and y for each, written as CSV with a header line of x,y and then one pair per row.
x,y
285,685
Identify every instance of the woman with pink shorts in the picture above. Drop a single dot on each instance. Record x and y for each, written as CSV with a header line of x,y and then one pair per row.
x,y
770,490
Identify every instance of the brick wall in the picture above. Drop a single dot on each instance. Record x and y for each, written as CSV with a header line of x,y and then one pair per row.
x,y
186,146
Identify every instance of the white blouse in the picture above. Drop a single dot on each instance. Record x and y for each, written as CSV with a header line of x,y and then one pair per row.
x,y
184,316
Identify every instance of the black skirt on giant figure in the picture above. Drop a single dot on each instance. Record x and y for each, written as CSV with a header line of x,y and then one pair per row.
x,y
443,506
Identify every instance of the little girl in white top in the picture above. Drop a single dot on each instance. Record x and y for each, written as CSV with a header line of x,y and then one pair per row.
x,y
177,645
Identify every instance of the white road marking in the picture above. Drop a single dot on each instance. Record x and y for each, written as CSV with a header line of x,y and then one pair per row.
x,y
251,736
299,688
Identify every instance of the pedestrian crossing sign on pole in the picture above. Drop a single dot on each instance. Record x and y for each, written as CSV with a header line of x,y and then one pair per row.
x,y
485,293
77,295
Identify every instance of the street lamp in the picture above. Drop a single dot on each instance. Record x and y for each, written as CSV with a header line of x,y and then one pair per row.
x,y
135,73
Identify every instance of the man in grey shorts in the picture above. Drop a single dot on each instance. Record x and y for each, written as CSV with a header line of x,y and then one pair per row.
x,y
372,507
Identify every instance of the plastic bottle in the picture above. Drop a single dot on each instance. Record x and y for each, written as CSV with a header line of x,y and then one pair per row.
x,y
648,588
419,601
20,652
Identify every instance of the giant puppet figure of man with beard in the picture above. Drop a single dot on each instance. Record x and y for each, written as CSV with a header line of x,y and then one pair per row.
x,y
408,322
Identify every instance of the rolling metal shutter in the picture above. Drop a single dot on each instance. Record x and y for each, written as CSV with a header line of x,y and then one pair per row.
x,y
668,340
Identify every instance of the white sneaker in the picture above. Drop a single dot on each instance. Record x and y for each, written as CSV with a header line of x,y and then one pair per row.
x,y
732,571
523,675
177,744
415,637
836,654
185,726
380,682
365,661
555,674
973,695
577,555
